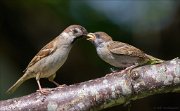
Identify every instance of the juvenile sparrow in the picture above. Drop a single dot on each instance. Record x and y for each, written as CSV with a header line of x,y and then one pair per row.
x,y
119,54
51,57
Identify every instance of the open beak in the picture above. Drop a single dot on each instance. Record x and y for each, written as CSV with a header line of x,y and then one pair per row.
x,y
91,37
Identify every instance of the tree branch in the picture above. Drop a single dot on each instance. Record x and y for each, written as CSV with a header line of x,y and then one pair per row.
x,y
113,89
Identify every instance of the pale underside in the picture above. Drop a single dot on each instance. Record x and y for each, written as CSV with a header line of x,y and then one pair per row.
x,y
48,60
121,55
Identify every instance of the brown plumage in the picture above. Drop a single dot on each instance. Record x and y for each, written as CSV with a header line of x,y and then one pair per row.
x,y
116,53
45,51
51,57
125,49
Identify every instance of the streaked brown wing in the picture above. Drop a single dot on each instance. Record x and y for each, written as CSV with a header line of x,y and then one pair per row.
x,y
120,48
44,52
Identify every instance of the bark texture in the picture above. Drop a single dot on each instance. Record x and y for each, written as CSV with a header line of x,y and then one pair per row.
x,y
113,89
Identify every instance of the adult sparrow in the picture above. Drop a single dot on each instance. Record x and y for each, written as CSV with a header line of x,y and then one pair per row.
x,y
51,57
117,53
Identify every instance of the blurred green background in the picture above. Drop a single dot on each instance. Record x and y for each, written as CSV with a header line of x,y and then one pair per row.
x,y
27,25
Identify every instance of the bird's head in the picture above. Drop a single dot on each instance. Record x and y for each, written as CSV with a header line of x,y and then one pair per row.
x,y
73,32
98,38
76,30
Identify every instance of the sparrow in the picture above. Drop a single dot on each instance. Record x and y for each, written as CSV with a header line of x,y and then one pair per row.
x,y
119,54
51,57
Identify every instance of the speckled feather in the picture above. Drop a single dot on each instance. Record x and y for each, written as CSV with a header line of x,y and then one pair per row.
x,y
44,52
117,53
50,58
120,48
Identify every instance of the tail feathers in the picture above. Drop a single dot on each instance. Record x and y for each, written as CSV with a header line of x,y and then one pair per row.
x,y
154,60
17,84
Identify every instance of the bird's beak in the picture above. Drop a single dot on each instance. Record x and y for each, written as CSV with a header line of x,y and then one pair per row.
x,y
85,33
91,37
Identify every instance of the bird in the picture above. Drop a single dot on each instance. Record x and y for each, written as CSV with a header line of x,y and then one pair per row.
x,y
50,58
119,54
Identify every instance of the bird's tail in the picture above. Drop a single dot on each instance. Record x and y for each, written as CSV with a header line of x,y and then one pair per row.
x,y
154,60
17,84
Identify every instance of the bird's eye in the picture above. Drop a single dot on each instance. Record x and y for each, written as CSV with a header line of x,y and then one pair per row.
x,y
75,31
97,35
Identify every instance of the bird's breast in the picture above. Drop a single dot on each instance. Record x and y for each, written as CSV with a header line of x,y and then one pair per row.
x,y
56,60
105,54
50,64
117,60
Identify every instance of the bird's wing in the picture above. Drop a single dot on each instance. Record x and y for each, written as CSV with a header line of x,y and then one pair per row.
x,y
44,52
120,48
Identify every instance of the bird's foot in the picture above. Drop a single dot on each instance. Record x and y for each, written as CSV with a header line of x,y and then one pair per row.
x,y
113,69
130,68
62,86
55,83
44,91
